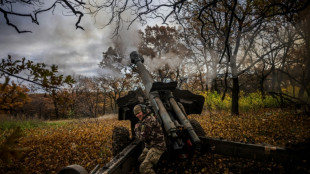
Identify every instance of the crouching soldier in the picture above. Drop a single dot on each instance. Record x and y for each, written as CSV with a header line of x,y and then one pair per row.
x,y
149,131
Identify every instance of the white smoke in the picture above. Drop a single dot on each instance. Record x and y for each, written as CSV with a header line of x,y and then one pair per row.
x,y
171,59
126,41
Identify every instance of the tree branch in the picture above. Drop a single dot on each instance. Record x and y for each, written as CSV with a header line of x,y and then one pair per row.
x,y
72,5
228,33
31,81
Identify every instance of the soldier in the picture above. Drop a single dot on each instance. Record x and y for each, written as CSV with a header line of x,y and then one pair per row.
x,y
149,131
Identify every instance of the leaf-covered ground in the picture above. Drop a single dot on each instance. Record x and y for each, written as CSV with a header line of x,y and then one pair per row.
x,y
88,143
80,142
269,126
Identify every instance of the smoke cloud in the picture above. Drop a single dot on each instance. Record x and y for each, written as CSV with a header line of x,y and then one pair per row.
x,y
126,41
171,59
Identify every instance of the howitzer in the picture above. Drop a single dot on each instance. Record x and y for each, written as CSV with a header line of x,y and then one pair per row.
x,y
183,136
180,134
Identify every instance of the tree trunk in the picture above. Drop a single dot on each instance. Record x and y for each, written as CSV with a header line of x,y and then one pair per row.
x,y
234,71
96,104
235,97
111,103
56,108
214,86
40,111
115,103
274,81
104,104
261,87
201,81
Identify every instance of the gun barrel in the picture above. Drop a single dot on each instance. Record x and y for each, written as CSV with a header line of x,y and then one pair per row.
x,y
146,77
154,98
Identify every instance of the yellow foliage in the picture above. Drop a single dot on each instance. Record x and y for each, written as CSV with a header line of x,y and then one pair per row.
x,y
13,96
251,101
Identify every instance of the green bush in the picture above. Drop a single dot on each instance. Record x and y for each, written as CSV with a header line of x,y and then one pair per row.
x,y
252,101
271,102
213,101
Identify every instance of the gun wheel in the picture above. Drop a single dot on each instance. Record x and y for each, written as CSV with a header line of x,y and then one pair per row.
x,y
120,139
197,127
73,169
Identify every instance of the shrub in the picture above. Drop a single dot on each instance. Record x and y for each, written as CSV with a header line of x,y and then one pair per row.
x,y
213,101
251,101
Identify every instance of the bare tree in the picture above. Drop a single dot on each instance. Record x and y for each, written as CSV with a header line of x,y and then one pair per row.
x,y
233,19
164,47
205,52
302,25
32,9
145,10
87,91
115,87
237,22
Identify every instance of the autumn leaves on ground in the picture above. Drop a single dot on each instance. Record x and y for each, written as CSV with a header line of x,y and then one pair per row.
x,y
46,149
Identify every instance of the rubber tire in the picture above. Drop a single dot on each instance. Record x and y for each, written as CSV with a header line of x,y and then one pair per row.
x,y
197,127
120,139
73,169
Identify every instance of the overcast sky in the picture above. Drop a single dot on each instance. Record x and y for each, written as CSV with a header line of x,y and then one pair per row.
x,y
56,41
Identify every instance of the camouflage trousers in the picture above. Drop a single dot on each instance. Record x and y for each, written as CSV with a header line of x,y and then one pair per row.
x,y
149,158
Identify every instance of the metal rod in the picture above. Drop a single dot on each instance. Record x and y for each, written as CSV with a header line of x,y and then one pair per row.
x,y
253,151
124,161
184,121
168,123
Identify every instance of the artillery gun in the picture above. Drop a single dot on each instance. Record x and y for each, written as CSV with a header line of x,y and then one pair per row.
x,y
184,136
170,106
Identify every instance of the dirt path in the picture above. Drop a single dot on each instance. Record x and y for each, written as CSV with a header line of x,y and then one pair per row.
x,y
108,116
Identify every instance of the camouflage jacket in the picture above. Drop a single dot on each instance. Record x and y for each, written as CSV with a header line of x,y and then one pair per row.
x,y
150,132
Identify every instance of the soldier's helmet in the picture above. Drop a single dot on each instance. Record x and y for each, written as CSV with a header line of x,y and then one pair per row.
x,y
139,108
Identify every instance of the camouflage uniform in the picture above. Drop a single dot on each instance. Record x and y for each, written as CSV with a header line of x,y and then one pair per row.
x,y
150,132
